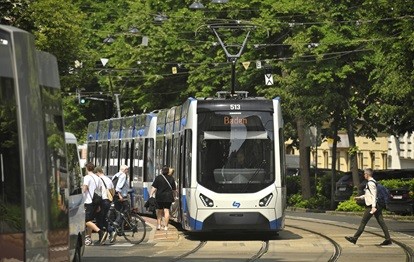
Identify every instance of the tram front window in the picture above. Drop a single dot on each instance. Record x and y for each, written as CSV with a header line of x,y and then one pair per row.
x,y
235,151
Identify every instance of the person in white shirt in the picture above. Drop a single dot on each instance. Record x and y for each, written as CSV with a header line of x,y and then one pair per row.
x,y
371,209
107,188
90,182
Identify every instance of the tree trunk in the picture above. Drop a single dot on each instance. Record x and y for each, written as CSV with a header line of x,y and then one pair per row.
x,y
334,147
304,160
353,157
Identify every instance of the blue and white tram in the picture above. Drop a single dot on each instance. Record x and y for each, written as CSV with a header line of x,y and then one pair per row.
x,y
219,189
130,141
229,160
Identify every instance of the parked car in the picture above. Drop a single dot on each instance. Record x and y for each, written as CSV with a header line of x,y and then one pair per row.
x,y
345,186
400,201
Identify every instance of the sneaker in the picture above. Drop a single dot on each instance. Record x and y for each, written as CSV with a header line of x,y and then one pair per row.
x,y
102,236
353,240
112,237
159,227
386,242
165,228
88,241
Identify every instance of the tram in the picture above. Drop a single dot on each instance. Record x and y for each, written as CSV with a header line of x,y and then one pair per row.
x,y
228,153
41,207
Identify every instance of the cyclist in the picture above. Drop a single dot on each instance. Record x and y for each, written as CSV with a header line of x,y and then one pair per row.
x,y
121,197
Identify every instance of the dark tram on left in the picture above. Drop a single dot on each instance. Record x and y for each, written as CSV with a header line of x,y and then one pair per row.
x,y
41,206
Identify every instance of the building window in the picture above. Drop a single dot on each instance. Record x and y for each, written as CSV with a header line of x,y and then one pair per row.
x,y
384,161
325,159
372,156
361,160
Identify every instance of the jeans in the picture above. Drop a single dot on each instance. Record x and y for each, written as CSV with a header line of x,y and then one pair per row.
x,y
378,216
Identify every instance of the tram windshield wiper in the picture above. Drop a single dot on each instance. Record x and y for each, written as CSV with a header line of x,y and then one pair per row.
x,y
256,172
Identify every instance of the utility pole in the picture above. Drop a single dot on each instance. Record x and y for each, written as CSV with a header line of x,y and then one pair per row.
x,y
117,105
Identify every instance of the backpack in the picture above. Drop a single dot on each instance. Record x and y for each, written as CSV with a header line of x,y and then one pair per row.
x,y
115,179
383,195
97,195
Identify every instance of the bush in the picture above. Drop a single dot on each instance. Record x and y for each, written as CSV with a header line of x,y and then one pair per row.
x,y
349,206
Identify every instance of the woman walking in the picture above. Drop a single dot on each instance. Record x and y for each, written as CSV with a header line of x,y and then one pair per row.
x,y
163,188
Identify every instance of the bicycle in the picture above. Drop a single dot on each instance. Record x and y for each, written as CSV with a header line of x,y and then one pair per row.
x,y
132,226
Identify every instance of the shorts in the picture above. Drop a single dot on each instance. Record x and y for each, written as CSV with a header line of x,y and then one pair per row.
x,y
163,205
89,212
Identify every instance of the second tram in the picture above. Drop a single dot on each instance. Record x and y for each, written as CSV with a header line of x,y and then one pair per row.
x,y
41,208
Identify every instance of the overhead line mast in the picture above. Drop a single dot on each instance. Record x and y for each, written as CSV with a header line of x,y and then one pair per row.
x,y
232,57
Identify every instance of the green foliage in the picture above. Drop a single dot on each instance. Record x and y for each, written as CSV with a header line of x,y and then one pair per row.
x,y
349,206
12,216
321,190
329,61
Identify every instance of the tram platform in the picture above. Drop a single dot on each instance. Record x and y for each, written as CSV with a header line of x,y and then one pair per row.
x,y
154,235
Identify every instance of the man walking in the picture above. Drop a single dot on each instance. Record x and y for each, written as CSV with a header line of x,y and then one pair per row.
x,y
371,208
90,182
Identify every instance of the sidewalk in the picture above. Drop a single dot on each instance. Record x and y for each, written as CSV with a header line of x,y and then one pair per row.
x,y
170,235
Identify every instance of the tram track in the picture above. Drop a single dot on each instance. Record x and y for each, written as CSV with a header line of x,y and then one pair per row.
x,y
264,248
409,252
337,248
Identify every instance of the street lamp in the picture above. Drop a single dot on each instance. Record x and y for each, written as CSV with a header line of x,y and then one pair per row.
x,y
198,5
108,40
219,1
159,18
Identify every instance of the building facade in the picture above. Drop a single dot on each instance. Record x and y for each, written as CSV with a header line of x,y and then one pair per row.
x,y
386,152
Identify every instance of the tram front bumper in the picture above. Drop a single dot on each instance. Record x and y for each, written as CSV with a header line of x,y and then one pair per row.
x,y
240,220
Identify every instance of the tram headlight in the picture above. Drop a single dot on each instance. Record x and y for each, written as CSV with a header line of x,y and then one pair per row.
x,y
266,200
206,201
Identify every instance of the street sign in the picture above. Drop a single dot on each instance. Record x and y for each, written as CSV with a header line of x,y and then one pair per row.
x,y
269,79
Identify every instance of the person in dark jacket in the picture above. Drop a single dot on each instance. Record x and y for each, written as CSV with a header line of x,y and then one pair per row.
x,y
163,188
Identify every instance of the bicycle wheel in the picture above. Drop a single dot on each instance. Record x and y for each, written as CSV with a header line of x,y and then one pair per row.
x,y
134,229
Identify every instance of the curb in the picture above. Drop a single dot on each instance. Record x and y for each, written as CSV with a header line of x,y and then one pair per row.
x,y
332,212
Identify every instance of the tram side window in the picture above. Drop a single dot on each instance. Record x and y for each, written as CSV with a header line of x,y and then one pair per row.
x,y
150,172
91,153
57,173
138,160
187,155
74,170
113,157
11,215
159,155
282,157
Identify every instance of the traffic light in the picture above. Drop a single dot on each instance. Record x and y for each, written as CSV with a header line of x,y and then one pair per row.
x,y
81,100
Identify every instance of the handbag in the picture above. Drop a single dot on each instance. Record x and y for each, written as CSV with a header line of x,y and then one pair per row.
x,y
172,191
108,192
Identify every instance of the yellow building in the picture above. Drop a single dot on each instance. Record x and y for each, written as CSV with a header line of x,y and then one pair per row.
x,y
386,152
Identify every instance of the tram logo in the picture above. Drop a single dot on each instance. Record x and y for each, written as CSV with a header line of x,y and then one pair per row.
x,y
236,204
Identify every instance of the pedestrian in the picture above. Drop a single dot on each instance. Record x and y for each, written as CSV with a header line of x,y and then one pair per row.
x,y
371,208
163,188
107,191
90,183
121,197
